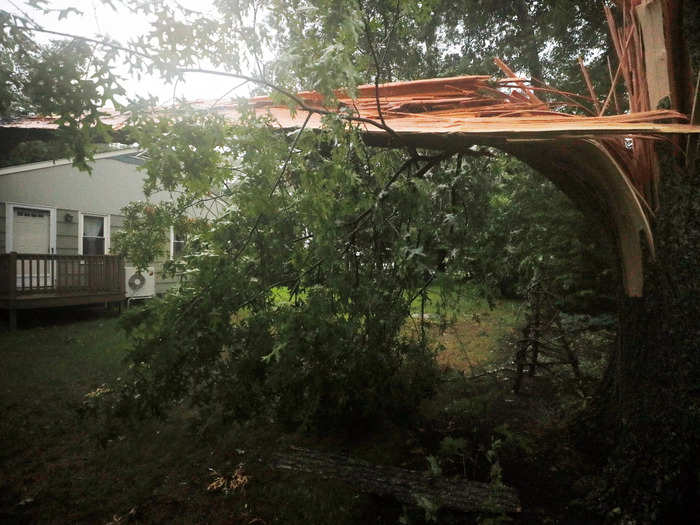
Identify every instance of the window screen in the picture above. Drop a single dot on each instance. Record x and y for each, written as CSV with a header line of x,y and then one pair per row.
x,y
93,235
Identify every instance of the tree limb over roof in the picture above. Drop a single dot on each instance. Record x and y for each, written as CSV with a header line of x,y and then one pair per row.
x,y
606,163
593,159
601,162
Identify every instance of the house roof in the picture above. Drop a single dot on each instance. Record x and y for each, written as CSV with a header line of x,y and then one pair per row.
x,y
124,155
116,119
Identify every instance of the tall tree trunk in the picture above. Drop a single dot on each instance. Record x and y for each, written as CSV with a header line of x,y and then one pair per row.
x,y
650,400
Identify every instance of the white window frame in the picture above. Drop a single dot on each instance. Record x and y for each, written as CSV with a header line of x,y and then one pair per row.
x,y
81,229
10,223
172,242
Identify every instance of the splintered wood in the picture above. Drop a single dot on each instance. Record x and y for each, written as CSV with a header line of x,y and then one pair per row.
x,y
601,154
457,112
478,105
606,163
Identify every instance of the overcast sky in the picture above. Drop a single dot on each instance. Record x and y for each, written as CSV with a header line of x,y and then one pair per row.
x,y
121,25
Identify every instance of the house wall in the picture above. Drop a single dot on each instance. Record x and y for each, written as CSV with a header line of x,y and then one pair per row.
x,y
112,184
2,227
163,282
66,232
116,223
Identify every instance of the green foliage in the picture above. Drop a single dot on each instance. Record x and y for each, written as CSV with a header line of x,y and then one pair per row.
x,y
321,224
429,507
308,248
185,149
66,78
534,232
33,151
309,365
496,221
541,39
144,236
319,44
349,235
15,46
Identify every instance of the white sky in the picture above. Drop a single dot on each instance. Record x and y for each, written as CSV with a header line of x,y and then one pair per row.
x,y
123,26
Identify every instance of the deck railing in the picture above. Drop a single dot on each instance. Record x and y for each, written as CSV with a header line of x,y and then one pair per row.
x,y
27,274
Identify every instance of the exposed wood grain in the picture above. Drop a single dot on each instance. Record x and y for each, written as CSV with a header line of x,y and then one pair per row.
x,y
589,85
650,17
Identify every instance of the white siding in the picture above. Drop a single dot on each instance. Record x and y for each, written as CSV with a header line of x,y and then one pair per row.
x,y
111,186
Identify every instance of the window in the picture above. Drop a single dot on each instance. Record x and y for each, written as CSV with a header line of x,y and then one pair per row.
x,y
26,212
93,235
177,242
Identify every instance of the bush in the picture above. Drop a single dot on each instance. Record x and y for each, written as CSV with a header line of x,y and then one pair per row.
x,y
312,365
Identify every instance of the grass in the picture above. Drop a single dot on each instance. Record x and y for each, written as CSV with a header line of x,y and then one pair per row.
x,y
54,468
470,329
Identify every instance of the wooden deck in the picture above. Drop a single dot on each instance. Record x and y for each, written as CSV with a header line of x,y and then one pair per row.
x,y
44,281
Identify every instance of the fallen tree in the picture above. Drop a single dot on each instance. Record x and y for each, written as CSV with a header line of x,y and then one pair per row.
x,y
408,486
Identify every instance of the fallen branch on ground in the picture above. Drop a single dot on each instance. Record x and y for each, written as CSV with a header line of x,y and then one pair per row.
x,y
403,484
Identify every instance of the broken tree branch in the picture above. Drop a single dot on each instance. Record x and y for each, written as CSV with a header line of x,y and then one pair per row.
x,y
589,85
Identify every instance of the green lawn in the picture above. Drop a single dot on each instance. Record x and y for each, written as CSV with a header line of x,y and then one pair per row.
x,y
52,466
55,468
470,330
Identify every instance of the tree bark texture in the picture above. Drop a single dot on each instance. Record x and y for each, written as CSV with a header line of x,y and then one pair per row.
x,y
402,484
650,403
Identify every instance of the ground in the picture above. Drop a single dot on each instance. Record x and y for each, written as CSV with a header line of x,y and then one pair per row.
x,y
56,466
471,331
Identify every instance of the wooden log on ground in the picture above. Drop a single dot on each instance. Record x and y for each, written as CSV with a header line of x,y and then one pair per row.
x,y
405,485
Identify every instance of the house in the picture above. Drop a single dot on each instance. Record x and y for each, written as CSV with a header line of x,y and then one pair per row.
x,y
59,222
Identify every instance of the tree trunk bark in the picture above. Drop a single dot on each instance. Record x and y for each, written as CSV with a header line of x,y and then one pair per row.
x,y
649,406
650,403
405,485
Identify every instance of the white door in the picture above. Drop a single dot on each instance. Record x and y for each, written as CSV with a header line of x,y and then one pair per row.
x,y
31,233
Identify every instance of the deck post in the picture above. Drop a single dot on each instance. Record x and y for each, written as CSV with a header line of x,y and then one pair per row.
x,y
122,276
12,289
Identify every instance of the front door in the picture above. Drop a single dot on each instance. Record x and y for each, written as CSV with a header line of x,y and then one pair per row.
x,y
31,233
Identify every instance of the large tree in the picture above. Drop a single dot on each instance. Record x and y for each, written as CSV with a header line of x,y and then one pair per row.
x,y
298,291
